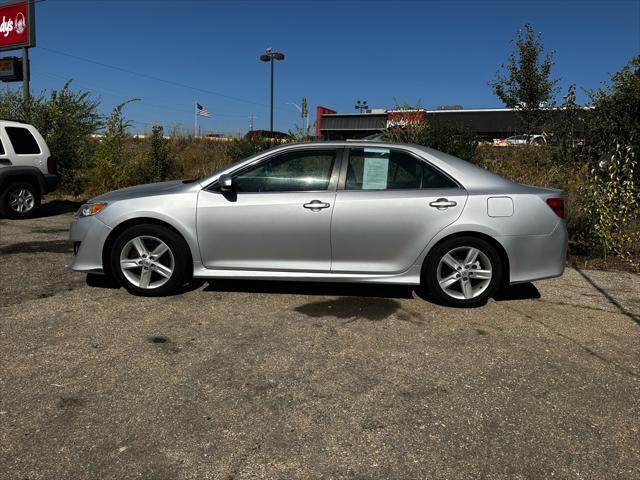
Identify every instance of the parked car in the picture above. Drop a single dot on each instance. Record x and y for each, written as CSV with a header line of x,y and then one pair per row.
x,y
526,140
27,169
353,211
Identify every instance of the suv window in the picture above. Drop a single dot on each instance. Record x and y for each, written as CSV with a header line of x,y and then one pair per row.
x,y
2,152
291,172
22,141
374,168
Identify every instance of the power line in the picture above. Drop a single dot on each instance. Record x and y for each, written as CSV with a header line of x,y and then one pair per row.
x,y
142,101
151,77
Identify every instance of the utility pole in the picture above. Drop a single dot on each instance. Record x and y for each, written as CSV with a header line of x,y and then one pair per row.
x,y
251,120
270,56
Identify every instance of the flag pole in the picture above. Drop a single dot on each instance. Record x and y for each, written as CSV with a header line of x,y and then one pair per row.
x,y
195,123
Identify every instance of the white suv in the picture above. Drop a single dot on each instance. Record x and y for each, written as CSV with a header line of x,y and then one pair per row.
x,y
27,169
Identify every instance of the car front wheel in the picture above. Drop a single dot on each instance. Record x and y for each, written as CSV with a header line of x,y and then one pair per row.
x,y
463,272
150,260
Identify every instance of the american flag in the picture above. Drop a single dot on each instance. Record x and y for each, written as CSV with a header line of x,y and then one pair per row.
x,y
203,112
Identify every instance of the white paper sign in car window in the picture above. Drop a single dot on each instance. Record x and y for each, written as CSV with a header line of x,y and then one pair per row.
x,y
376,168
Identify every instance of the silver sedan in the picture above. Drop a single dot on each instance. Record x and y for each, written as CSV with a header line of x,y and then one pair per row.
x,y
329,211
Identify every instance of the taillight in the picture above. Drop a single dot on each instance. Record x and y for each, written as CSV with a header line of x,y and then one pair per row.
x,y
557,205
52,168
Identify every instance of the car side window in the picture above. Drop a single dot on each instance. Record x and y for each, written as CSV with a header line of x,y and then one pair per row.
x,y
22,141
2,152
301,171
375,168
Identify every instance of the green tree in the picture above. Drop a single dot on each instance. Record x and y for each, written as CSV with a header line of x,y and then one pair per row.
x,y
446,138
112,157
615,118
160,159
525,82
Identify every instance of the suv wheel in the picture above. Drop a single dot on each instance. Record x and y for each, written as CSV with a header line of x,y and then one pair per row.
x,y
463,272
150,260
20,200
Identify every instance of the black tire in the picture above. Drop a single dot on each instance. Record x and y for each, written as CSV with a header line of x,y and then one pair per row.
x,y
178,248
431,265
10,210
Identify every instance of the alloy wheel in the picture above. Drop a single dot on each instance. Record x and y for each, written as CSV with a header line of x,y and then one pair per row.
x,y
464,273
147,262
21,200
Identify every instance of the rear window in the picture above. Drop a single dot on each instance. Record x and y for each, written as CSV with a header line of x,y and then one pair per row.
x,y
22,141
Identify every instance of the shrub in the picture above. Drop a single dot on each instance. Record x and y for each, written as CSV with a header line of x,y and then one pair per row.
x,y
198,157
244,147
113,163
446,138
611,204
161,163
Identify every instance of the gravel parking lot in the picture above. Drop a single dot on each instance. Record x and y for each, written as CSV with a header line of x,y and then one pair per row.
x,y
236,380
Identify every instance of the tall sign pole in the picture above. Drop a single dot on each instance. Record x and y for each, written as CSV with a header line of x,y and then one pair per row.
x,y
17,31
25,74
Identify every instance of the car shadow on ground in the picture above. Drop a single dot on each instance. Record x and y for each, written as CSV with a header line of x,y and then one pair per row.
x,y
512,292
57,207
311,288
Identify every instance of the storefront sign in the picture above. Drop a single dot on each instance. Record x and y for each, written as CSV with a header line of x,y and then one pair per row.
x,y
17,25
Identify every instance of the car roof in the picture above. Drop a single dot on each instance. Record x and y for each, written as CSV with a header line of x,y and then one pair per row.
x,y
14,123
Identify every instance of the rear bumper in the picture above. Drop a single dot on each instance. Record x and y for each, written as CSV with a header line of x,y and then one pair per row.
x,y
534,257
88,235
50,183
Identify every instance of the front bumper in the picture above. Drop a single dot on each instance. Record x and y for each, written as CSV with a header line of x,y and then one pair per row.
x,y
88,235
534,257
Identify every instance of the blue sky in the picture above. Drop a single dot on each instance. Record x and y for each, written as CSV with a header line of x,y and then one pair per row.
x,y
336,52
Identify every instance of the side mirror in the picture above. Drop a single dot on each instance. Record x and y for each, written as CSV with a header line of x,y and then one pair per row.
x,y
226,182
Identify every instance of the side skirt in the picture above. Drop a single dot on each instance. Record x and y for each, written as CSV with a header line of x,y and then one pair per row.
x,y
409,277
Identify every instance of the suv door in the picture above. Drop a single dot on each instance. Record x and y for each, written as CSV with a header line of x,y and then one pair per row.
x,y
278,216
388,207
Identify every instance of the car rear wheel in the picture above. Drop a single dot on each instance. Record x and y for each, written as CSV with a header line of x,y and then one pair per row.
x,y
20,200
463,272
150,260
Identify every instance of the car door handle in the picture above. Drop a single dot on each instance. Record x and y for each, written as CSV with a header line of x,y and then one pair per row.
x,y
316,205
442,203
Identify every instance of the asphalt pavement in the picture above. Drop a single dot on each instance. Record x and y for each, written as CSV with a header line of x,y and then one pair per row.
x,y
240,380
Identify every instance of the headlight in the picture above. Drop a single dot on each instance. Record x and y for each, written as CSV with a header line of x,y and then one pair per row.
x,y
89,209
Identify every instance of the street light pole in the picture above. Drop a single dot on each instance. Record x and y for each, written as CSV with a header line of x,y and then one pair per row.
x,y
362,106
270,56
271,98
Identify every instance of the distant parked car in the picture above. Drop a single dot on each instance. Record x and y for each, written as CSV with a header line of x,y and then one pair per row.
x,y
254,134
526,140
361,211
27,169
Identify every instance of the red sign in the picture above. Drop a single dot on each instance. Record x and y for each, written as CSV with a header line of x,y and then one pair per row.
x,y
17,25
403,118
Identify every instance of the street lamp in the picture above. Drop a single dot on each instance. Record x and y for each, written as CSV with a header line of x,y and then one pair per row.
x,y
362,106
270,56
